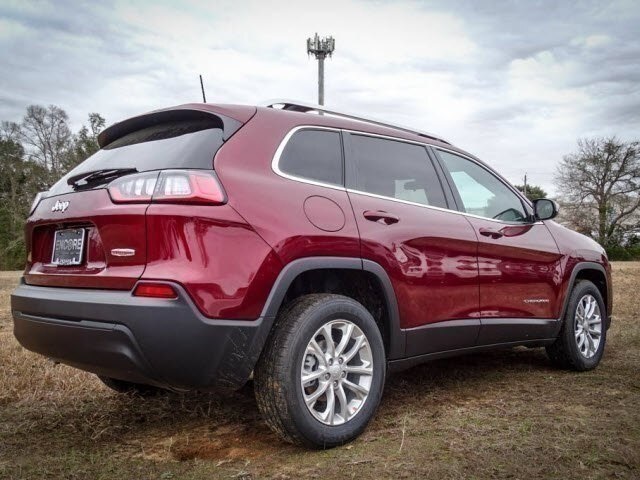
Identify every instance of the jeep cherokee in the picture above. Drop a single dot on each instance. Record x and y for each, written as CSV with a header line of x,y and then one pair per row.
x,y
203,244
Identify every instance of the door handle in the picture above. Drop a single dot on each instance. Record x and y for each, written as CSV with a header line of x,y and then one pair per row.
x,y
488,232
381,217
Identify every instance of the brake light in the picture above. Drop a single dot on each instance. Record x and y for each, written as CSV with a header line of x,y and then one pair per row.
x,y
154,290
168,186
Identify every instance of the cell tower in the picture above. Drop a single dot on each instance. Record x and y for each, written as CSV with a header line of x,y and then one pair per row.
x,y
321,48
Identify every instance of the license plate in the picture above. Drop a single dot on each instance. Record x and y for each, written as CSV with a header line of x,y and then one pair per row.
x,y
68,246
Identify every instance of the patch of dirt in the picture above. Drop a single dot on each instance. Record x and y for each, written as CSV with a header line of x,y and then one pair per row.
x,y
227,442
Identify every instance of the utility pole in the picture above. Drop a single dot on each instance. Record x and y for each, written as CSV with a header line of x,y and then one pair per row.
x,y
321,48
525,185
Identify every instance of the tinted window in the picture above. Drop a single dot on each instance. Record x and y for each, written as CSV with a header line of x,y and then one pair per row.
x,y
394,169
313,154
481,192
178,144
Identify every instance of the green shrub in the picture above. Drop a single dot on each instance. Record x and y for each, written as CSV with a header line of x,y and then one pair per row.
x,y
620,253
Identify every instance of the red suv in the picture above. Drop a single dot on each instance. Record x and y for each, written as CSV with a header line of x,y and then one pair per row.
x,y
314,250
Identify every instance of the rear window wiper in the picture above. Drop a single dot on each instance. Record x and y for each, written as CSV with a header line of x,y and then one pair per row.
x,y
94,177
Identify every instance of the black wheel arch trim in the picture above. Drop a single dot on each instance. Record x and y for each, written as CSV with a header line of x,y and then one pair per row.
x,y
579,267
293,269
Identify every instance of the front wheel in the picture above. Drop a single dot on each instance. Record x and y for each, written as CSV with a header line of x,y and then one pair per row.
x,y
321,376
580,345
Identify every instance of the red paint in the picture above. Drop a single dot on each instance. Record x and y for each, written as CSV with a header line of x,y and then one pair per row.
x,y
520,270
273,205
109,226
324,214
430,256
225,266
576,248
228,256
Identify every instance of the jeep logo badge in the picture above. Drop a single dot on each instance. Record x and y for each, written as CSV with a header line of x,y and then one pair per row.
x,y
60,206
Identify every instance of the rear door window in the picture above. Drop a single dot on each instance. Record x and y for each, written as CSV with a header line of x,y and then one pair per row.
x,y
393,169
313,155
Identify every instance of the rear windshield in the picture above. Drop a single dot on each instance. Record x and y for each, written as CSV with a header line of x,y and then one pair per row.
x,y
177,144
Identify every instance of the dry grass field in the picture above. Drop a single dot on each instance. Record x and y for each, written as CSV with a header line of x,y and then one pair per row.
x,y
505,414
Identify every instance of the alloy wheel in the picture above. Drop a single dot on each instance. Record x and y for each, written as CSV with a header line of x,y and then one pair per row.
x,y
588,326
336,373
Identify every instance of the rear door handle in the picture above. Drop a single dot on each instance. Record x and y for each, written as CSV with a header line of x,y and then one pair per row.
x,y
488,232
381,216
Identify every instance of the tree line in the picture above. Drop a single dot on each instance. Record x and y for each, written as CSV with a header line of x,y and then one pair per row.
x,y
598,185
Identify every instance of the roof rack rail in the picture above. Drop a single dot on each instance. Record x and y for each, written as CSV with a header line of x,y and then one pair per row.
x,y
303,107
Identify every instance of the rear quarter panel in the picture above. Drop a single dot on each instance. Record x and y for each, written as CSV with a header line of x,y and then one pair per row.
x,y
275,206
225,266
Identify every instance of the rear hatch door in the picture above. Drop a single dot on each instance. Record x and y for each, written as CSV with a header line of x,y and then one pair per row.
x,y
78,237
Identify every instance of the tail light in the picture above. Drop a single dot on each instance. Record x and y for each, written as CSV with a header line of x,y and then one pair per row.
x,y
168,186
154,290
188,186
138,188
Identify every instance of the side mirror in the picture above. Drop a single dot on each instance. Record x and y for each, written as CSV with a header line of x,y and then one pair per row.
x,y
545,209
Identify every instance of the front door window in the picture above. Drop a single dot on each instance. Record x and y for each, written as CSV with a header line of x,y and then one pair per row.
x,y
482,193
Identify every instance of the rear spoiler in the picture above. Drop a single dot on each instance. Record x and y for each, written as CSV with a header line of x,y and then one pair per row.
x,y
228,125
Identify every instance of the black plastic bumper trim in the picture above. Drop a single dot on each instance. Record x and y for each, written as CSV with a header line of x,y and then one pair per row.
x,y
161,342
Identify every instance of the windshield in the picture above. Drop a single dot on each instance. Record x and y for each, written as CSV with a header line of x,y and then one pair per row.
x,y
178,144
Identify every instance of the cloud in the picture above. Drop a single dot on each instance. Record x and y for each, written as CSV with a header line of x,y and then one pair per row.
x,y
592,41
513,82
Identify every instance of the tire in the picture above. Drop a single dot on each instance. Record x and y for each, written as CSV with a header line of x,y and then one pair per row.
x,y
568,351
122,386
278,382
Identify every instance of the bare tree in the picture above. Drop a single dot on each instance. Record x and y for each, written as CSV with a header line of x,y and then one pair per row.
x,y
600,186
46,136
10,131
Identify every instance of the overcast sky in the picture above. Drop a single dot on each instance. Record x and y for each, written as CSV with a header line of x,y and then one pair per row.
x,y
515,82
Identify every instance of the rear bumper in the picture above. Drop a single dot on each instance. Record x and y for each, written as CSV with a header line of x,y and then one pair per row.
x,y
167,343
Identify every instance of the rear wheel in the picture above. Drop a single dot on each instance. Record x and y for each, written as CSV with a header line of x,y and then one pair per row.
x,y
581,342
122,386
321,376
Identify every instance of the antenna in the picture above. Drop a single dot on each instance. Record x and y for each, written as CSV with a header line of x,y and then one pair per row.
x,y
204,98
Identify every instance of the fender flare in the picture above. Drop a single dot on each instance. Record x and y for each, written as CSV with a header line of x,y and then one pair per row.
x,y
580,266
296,267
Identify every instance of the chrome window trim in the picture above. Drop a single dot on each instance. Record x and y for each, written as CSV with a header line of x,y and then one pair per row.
x,y
431,207
387,137
399,200
276,169
275,163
